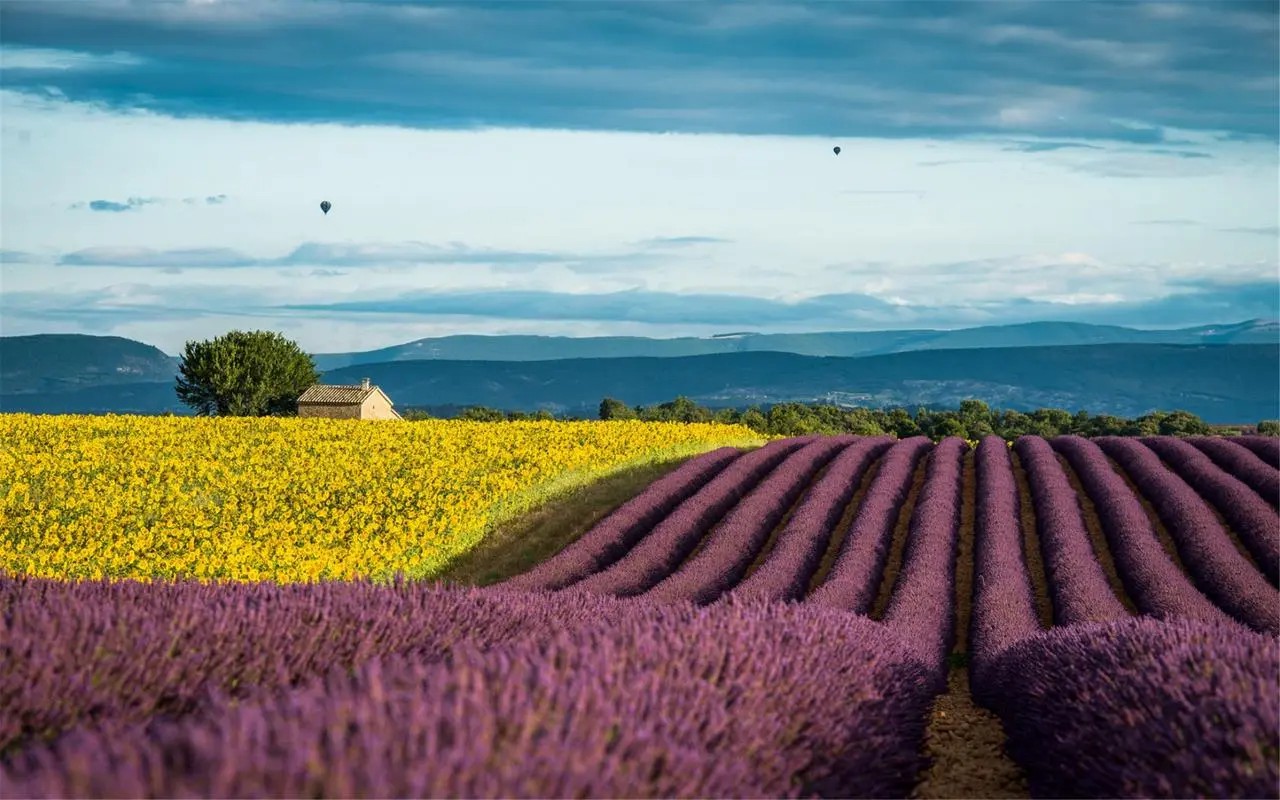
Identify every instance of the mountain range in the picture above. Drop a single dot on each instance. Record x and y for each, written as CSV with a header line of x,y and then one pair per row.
x,y
834,343
1224,373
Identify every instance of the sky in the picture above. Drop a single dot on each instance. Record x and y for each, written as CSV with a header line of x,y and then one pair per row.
x,y
649,168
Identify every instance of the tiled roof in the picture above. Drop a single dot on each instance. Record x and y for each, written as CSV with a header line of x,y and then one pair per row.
x,y
336,395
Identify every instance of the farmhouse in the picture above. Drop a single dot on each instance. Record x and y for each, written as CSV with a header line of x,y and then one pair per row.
x,y
346,402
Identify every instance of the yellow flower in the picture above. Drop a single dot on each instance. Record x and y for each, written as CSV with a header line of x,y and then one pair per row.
x,y
291,499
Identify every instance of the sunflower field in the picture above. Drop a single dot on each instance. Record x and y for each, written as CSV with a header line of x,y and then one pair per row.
x,y
292,500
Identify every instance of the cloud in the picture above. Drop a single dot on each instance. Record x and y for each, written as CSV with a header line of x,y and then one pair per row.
x,y
1047,147
1194,303
41,60
146,257
1115,71
132,204
916,193
628,306
17,257
658,242
1176,223
135,203
1264,230
383,254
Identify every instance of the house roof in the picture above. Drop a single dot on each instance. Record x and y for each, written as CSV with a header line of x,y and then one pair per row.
x,y
321,394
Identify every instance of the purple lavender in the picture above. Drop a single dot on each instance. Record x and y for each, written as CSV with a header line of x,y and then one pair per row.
x,y
921,608
854,577
614,535
1004,610
1266,448
786,573
1142,708
1226,576
1077,584
653,700
1243,464
675,537
1157,585
1253,520
730,548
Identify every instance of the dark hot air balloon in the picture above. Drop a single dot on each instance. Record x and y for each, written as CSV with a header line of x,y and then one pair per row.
x,y
836,150
325,206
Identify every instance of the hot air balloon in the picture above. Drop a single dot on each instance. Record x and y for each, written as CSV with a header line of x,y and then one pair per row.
x,y
325,206
836,151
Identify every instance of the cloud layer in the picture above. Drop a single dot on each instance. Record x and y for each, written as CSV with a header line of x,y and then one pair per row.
x,y
633,167
1101,70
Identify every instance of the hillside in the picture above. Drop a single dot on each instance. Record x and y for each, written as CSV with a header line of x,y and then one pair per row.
x,y
1222,383
1219,383
59,363
836,343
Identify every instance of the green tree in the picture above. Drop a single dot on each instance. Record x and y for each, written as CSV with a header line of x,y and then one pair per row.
x,y
1183,423
1269,427
682,409
791,419
901,423
611,408
754,419
975,416
482,414
244,374
862,422
726,416
949,426
1051,421
1012,424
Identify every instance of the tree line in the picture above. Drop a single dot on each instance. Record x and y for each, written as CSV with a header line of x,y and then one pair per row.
x,y
261,373
972,420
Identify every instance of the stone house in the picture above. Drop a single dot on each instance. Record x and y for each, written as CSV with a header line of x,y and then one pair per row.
x,y
346,402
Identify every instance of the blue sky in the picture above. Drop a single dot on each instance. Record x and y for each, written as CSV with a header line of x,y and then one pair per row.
x,y
654,168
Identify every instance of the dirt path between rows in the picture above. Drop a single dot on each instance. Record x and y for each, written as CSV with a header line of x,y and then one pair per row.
x,y
965,741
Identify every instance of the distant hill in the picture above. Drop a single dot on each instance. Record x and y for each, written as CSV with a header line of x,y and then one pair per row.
x,y
845,343
1221,383
62,362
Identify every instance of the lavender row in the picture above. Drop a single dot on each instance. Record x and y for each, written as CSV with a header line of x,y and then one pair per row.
x,y
1242,463
656,555
921,609
1157,585
658,701
1224,574
729,549
1266,448
129,649
854,577
1077,584
614,535
1003,604
796,555
1142,708
1256,523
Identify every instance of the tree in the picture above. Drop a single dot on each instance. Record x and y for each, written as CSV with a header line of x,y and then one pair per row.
x,y
1182,423
754,419
1269,427
244,374
482,414
612,408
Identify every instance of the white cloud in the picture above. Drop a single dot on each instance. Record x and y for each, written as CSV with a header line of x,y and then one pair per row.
x,y
41,58
912,222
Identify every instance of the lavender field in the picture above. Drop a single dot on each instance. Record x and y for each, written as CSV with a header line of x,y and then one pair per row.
x,y
780,622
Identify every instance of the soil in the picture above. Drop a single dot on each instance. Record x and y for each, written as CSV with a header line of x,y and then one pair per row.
x,y
964,741
898,545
